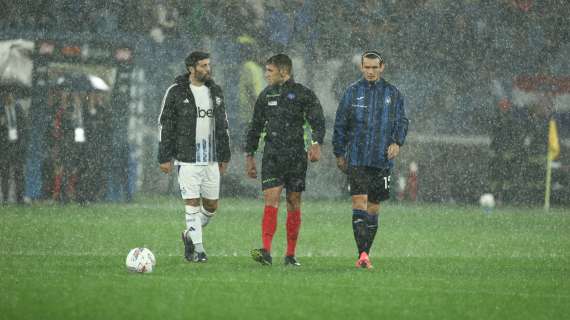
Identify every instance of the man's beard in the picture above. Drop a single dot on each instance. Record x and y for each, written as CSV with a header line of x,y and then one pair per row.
x,y
203,77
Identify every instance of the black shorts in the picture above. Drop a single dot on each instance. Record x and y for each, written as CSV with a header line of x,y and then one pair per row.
x,y
288,171
374,182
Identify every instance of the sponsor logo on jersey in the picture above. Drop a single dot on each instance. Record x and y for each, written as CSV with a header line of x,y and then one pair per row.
x,y
203,113
218,101
272,103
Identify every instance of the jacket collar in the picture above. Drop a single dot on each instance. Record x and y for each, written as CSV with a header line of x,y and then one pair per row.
x,y
184,81
379,83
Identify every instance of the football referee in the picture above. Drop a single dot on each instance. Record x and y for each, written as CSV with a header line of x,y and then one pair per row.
x,y
369,129
281,110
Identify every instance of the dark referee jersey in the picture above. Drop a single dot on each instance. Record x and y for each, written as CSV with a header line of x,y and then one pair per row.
x,y
282,111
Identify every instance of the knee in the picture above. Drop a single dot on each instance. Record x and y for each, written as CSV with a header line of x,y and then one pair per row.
x,y
293,205
271,200
293,201
211,206
373,208
359,202
192,202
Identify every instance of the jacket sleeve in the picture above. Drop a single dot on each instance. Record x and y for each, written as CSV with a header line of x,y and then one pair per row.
x,y
400,130
223,133
315,117
256,125
341,125
167,128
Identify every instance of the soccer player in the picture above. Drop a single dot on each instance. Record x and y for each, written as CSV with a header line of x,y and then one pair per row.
x,y
194,138
369,129
281,110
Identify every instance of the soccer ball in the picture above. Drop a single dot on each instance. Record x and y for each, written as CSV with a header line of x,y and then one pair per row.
x,y
140,260
487,202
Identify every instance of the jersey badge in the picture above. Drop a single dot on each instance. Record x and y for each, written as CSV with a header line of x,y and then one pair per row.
x,y
290,96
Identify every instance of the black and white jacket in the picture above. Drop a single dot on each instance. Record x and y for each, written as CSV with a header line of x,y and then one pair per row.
x,y
177,123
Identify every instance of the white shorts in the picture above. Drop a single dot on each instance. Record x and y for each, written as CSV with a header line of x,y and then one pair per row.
x,y
199,181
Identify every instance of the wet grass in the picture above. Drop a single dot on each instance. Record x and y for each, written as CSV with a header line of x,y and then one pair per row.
x,y
431,262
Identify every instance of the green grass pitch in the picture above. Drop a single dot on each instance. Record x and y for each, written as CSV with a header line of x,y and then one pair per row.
x,y
431,262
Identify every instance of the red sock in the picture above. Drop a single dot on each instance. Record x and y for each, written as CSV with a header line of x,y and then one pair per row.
x,y
268,225
293,226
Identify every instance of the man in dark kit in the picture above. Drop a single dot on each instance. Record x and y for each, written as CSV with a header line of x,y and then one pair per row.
x,y
369,129
281,110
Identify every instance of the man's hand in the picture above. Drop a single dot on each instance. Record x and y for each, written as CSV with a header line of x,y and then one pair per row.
x,y
166,167
393,151
341,164
250,168
223,167
314,153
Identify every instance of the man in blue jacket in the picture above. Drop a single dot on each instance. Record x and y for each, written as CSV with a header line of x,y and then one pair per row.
x,y
369,129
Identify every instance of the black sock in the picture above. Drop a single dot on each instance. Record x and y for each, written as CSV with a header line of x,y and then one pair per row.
x,y
372,229
360,228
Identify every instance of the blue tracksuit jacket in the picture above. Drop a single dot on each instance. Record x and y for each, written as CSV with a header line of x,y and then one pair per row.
x,y
369,118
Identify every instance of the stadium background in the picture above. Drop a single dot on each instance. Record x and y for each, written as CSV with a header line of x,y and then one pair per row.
x,y
453,60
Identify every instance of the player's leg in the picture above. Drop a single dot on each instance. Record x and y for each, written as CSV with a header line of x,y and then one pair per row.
x,y
359,182
272,186
189,179
293,226
208,210
379,191
269,222
210,193
295,185
373,209
359,194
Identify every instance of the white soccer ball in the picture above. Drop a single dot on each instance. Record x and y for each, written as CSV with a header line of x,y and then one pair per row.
x,y
487,201
140,260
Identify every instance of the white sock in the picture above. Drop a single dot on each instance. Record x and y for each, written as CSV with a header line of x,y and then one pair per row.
x,y
194,226
206,215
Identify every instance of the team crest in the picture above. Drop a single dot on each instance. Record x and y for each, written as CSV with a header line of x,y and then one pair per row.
x,y
218,101
290,96
388,100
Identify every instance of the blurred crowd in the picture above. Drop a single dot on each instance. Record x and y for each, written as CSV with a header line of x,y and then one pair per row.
x,y
78,141
445,56
440,48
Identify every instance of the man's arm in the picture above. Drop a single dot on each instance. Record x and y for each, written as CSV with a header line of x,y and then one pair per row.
x,y
400,130
166,131
253,133
222,130
341,125
255,126
316,119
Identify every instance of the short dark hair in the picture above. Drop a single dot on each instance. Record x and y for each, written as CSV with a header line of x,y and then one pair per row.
x,y
193,58
371,54
282,62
